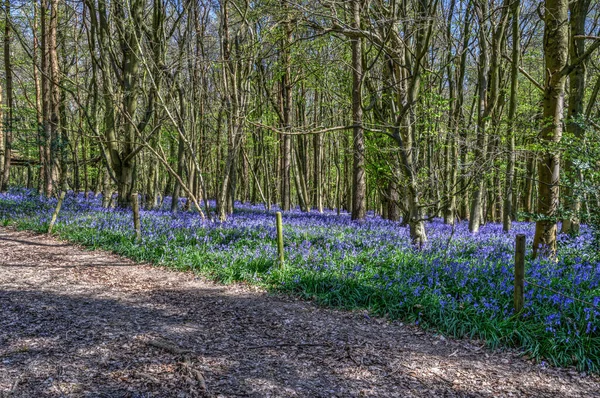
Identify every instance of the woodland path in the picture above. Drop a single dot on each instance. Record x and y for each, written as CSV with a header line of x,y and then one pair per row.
x,y
79,323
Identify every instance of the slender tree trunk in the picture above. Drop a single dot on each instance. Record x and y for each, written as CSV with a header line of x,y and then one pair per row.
x,y
5,176
38,102
317,161
359,185
512,114
2,141
47,83
393,196
449,204
286,97
475,219
181,158
55,123
529,185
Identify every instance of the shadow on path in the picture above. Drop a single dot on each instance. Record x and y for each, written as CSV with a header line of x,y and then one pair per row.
x,y
68,329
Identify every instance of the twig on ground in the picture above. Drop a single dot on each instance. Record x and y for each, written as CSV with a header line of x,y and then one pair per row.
x,y
256,347
166,345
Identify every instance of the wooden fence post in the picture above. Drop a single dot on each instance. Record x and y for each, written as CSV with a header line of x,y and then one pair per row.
x,y
56,211
135,204
519,273
280,239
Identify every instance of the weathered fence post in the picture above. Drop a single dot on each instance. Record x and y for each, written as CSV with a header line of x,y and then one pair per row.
x,y
135,204
519,273
280,239
56,211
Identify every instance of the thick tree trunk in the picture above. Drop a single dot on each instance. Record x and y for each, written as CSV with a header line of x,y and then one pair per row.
x,y
556,51
577,79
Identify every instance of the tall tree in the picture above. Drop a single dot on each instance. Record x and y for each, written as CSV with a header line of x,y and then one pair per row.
x,y
286,109
558,67
512,114
556,53
5,157
575,126
488,84
359,185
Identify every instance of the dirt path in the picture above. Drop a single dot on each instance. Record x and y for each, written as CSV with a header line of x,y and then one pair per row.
x,y
75,323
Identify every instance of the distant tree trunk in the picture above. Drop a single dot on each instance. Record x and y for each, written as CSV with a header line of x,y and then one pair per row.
x,y
488,102
106,190
393,196
318,174
458,145
317,162
556,51
181,158
449,203
235,82
528,188
224,191
482,121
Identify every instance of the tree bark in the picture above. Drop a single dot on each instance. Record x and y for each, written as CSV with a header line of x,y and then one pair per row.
x,y
556,52
359,185
8,70
577,79
286,98
512,114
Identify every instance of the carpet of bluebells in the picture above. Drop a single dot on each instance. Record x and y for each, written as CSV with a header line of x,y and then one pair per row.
x,y
460,284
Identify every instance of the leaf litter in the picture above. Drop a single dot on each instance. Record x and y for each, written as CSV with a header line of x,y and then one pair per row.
x,y
80,323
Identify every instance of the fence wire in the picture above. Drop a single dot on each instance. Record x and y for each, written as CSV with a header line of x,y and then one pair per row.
x,y
561,294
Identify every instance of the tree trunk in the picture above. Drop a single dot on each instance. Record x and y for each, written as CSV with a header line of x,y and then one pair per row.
x,y
286,98
482,106
359,187
512,114
56,144
556,52
2,141
5,175
577,79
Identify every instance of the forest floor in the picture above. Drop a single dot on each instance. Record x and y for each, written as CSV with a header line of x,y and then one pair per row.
x,y
80,323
